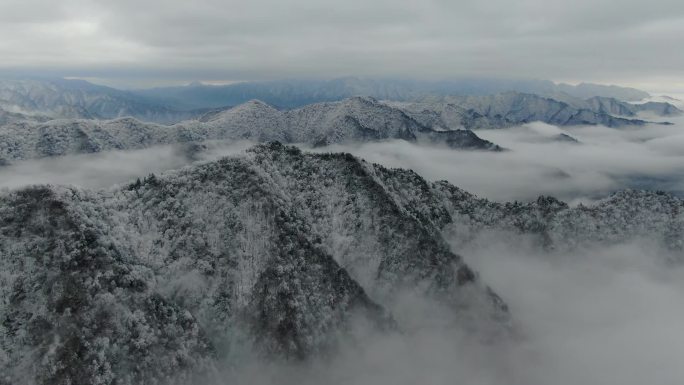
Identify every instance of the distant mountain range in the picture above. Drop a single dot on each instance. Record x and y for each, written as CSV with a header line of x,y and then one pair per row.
x,y
515,108
352,120
296,93
615,107
275,251
60,98
59,117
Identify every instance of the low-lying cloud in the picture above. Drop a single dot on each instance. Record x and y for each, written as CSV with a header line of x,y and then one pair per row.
x,y
106,169
605,160
608,316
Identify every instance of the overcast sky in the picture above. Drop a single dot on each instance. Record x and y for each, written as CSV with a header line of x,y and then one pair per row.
x,y
123,41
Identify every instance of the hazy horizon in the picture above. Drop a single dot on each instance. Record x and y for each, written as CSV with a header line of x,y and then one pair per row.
x,y
130,44
137,85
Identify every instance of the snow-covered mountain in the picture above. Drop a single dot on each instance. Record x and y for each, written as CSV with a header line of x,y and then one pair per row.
x,y
7,117
71,98
352,120
276,251
615,107
435,120
624,216
522,101
515,108
61,98
356,119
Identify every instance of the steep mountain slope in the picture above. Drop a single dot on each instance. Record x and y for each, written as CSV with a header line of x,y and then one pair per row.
x,y
61,98
276,251
352,120
355,119
369,119
450,116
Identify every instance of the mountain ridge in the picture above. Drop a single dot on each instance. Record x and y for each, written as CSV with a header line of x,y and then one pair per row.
x,y
73,98
353,120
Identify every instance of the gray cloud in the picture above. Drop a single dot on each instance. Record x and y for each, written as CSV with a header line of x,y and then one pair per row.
x,y
606,40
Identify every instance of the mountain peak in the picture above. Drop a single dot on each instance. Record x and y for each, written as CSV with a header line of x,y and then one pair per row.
x,y
256,102
363,99
255,105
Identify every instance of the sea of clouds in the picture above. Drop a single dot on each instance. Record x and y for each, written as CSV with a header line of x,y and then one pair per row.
x,y
610,315
604,160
